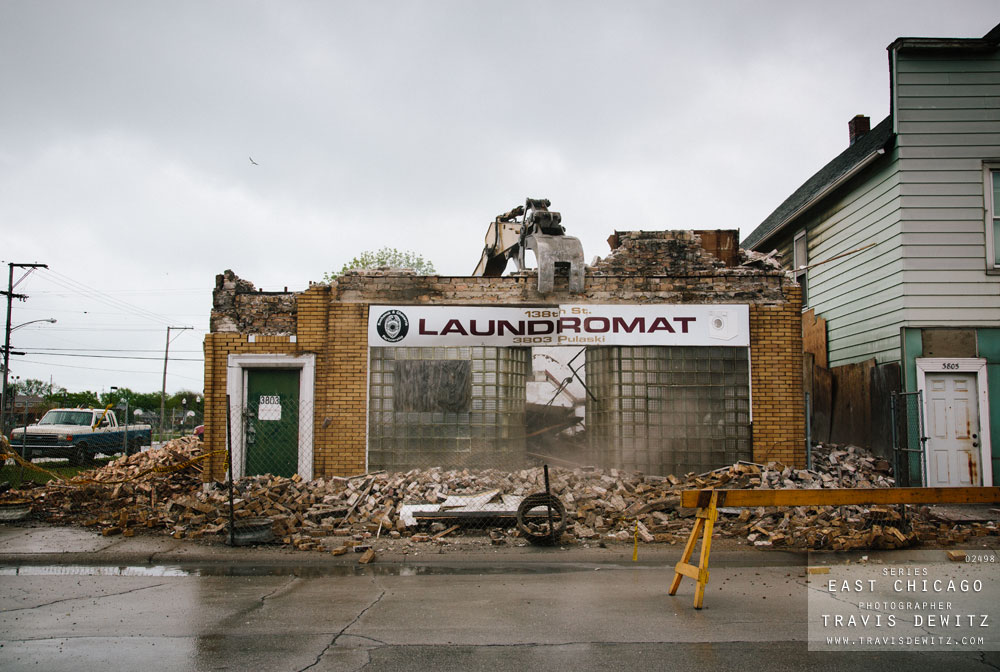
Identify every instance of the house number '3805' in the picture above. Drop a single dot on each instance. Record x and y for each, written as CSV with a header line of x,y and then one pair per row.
x,y
950,366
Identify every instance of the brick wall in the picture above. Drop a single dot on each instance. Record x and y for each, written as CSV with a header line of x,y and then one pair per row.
x,y
779,428
344,385
331,321
218,347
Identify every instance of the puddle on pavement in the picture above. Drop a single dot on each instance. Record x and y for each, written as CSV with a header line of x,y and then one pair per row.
x,y
88,570
278,570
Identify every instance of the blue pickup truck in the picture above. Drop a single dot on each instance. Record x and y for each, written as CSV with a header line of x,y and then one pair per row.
x,y
79,434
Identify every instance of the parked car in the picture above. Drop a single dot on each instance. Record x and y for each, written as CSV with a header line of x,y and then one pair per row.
x,y
79,434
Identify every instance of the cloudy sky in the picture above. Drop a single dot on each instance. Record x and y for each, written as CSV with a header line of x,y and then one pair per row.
x,y
126,130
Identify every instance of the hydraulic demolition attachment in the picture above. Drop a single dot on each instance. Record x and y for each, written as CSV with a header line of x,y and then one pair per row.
x,y
540,231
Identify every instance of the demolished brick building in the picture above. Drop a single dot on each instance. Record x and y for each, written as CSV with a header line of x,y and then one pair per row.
x,y
693,361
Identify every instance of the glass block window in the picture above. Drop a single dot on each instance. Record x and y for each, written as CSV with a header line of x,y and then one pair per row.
x,y
668,410
446,407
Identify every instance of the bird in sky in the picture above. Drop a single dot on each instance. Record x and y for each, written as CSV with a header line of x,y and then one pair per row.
x,y
253,162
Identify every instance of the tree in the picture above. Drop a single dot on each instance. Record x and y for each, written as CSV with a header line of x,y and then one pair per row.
x,y
31,387
62,397
386,257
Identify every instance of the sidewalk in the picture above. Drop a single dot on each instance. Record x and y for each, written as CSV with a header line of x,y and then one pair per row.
x,y
48,545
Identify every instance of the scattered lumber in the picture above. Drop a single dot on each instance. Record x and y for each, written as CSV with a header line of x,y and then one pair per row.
x,y
162,490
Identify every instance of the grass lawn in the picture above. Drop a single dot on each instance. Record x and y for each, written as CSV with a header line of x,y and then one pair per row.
x,y
15,474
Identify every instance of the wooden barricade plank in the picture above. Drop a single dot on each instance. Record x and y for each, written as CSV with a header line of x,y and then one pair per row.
x,y
708,501
845,496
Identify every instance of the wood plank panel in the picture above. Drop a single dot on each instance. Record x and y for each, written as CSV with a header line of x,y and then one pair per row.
x,y
851,406
845,496
814,336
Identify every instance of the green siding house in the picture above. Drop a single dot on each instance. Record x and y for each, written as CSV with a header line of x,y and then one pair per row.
x,y
897,244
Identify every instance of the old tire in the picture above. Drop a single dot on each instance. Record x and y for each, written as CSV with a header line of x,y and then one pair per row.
x,y
81,457
558,512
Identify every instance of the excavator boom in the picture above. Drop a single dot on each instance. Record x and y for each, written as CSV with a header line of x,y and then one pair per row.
x,y
539,230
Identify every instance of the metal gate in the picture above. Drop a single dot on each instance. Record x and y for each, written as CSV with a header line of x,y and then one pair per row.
x,y
908,439
272,422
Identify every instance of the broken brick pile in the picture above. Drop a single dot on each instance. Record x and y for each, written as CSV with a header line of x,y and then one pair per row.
x,y
672,252
602,505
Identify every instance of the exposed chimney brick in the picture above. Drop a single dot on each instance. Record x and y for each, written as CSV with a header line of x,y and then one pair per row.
x,y
858,126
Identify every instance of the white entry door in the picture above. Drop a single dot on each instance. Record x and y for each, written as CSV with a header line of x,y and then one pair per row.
x,y
953,432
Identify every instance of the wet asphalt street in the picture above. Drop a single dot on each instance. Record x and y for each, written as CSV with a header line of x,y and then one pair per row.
x,y
234,613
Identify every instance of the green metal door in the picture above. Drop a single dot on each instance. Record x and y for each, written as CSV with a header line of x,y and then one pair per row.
x,y
272,436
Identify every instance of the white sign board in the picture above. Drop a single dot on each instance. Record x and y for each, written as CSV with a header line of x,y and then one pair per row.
x,y
269,407
652,324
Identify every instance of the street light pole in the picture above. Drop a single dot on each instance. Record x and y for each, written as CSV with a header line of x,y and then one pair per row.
x,y
6,342
163,390
50,320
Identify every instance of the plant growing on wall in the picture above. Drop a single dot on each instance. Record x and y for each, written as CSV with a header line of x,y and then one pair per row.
x,y
387,257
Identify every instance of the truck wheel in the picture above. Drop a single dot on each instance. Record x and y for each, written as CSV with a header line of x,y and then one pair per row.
x,y
81,457
133,447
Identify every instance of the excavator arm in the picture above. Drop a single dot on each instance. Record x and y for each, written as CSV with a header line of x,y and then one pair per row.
x,y
502,238
539,230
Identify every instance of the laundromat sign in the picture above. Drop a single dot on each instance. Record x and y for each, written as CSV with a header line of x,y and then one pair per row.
x,y
660,324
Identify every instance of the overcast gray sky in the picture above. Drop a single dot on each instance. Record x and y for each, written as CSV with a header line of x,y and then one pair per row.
x,y
126,130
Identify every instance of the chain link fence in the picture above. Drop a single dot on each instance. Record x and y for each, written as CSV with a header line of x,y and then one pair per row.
x,y
432,472
908,439
458,451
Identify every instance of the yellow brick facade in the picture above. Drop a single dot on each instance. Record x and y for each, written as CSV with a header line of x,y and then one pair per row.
x,y
332,324
779,430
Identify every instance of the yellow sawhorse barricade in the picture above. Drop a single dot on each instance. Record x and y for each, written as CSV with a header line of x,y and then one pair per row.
x,y
708,502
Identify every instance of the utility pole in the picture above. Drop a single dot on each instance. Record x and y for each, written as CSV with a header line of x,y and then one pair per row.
x,y
6,341
163,391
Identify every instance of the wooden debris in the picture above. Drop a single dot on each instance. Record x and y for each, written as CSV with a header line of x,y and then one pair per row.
x,y
601,504
644,533
443,533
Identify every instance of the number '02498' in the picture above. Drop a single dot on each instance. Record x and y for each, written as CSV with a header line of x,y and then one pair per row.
x,y
950,366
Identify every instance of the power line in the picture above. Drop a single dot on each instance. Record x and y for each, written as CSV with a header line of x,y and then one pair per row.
x,y
67,354
103,328
110,350
91,368
138,291
62,311
69,283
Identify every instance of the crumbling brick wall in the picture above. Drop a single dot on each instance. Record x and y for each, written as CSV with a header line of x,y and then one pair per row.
x,y
239,307
331,322
656,253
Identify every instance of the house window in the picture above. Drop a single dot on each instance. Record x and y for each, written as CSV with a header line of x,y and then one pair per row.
x,y
800,259
992,193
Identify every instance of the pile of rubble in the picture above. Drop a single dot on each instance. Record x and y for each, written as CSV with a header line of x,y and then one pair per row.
x,y
124,494
423,505
839,528
666,252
